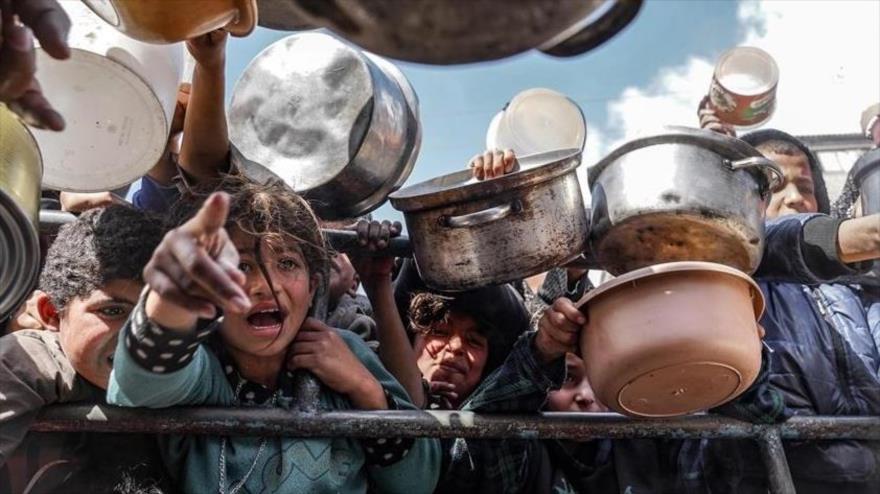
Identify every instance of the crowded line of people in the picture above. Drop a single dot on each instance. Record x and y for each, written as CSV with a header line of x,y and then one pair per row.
x,y
200,288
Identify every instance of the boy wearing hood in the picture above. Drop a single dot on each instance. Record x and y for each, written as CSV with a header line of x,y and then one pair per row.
x,y
825,356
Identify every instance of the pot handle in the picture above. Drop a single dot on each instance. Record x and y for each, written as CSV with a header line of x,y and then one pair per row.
x,y
482,217
775,176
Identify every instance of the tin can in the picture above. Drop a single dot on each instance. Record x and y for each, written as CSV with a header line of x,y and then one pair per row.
x,y
743,90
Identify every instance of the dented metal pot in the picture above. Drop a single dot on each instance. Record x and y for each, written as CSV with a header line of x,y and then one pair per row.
x,y
467,233
680,195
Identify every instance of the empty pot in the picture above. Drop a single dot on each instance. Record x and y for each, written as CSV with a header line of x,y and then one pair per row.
x,y
170,22
118,97
672,339
20,170
467,233
336,124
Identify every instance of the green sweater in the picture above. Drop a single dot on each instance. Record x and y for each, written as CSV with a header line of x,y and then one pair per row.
x,y
288,464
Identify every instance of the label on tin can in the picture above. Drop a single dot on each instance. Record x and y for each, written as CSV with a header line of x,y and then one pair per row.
x,y
736,108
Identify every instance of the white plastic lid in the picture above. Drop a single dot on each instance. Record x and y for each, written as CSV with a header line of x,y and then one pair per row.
x,y
541,120
116,127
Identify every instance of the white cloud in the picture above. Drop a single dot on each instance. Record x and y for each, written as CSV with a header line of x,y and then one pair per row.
x,y
828,54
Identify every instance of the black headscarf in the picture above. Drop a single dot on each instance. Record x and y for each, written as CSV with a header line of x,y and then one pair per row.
x,y
759,137
498,310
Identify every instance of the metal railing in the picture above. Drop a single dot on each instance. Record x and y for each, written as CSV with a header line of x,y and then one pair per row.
x,y
454,424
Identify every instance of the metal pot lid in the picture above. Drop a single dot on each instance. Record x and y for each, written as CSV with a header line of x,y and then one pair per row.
x,y
444,31
462,187
864,165
729,147
302,108
676,267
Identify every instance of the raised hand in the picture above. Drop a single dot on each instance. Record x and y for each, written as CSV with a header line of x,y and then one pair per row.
x,y
196,265
709,119
320,350
493,163
209,49
375,236
559,330
22,20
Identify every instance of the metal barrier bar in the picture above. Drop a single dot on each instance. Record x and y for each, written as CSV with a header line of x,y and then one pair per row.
x,y
452,424
773,455
445,424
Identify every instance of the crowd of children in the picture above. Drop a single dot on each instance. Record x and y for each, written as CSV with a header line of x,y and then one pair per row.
x,y
215,302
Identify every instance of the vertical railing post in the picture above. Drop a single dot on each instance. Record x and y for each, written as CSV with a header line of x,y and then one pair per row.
x,y
773,456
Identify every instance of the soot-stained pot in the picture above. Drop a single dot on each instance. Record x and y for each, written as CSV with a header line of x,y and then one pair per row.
x,y
467,233
680,195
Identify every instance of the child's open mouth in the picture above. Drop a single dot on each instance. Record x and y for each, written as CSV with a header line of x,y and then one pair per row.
x,y
266,319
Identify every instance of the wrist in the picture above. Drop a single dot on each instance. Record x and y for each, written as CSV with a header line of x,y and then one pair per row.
x,y
368,393
544,349
169,315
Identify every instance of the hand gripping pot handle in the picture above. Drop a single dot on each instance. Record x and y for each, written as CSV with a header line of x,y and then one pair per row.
x,y
482,217
774,174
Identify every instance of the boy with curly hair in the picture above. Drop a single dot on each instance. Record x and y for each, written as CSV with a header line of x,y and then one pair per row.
x,y
88,287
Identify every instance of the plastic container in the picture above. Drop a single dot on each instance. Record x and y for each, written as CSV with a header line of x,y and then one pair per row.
x,y
118,97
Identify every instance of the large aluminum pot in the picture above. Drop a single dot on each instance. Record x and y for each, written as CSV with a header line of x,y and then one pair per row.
x,y
170,22
673,339
336,124
118,96
680,195
21,167
467,233
453,31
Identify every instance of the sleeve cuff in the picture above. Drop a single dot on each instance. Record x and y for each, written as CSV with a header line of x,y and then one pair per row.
x,y
385,452
161,350
820,249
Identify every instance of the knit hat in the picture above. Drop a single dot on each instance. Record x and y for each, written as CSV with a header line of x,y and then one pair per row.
x,y
759,137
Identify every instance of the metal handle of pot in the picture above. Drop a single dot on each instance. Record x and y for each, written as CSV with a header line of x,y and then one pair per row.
x,y
482,217
775,180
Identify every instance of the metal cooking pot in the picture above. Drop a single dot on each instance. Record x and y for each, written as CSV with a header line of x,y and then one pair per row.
x,y
680,195
467,233
867,179
451,31
336,124
166,22
21,169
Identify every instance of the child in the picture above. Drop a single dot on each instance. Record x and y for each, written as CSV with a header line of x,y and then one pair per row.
x,y
257,254
89,286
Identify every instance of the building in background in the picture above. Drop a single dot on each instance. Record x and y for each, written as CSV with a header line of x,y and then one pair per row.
x,y
837,153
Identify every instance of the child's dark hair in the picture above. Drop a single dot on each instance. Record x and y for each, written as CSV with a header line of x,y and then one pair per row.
x,y
272,212
499,313
102,245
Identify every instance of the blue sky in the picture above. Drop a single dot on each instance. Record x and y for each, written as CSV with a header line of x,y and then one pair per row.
x,y
677,37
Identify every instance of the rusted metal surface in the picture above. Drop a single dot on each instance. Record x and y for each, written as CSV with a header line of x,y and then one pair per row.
x,y
773,455
256,422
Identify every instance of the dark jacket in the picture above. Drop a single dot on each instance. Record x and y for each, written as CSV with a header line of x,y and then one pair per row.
x,y
824,360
